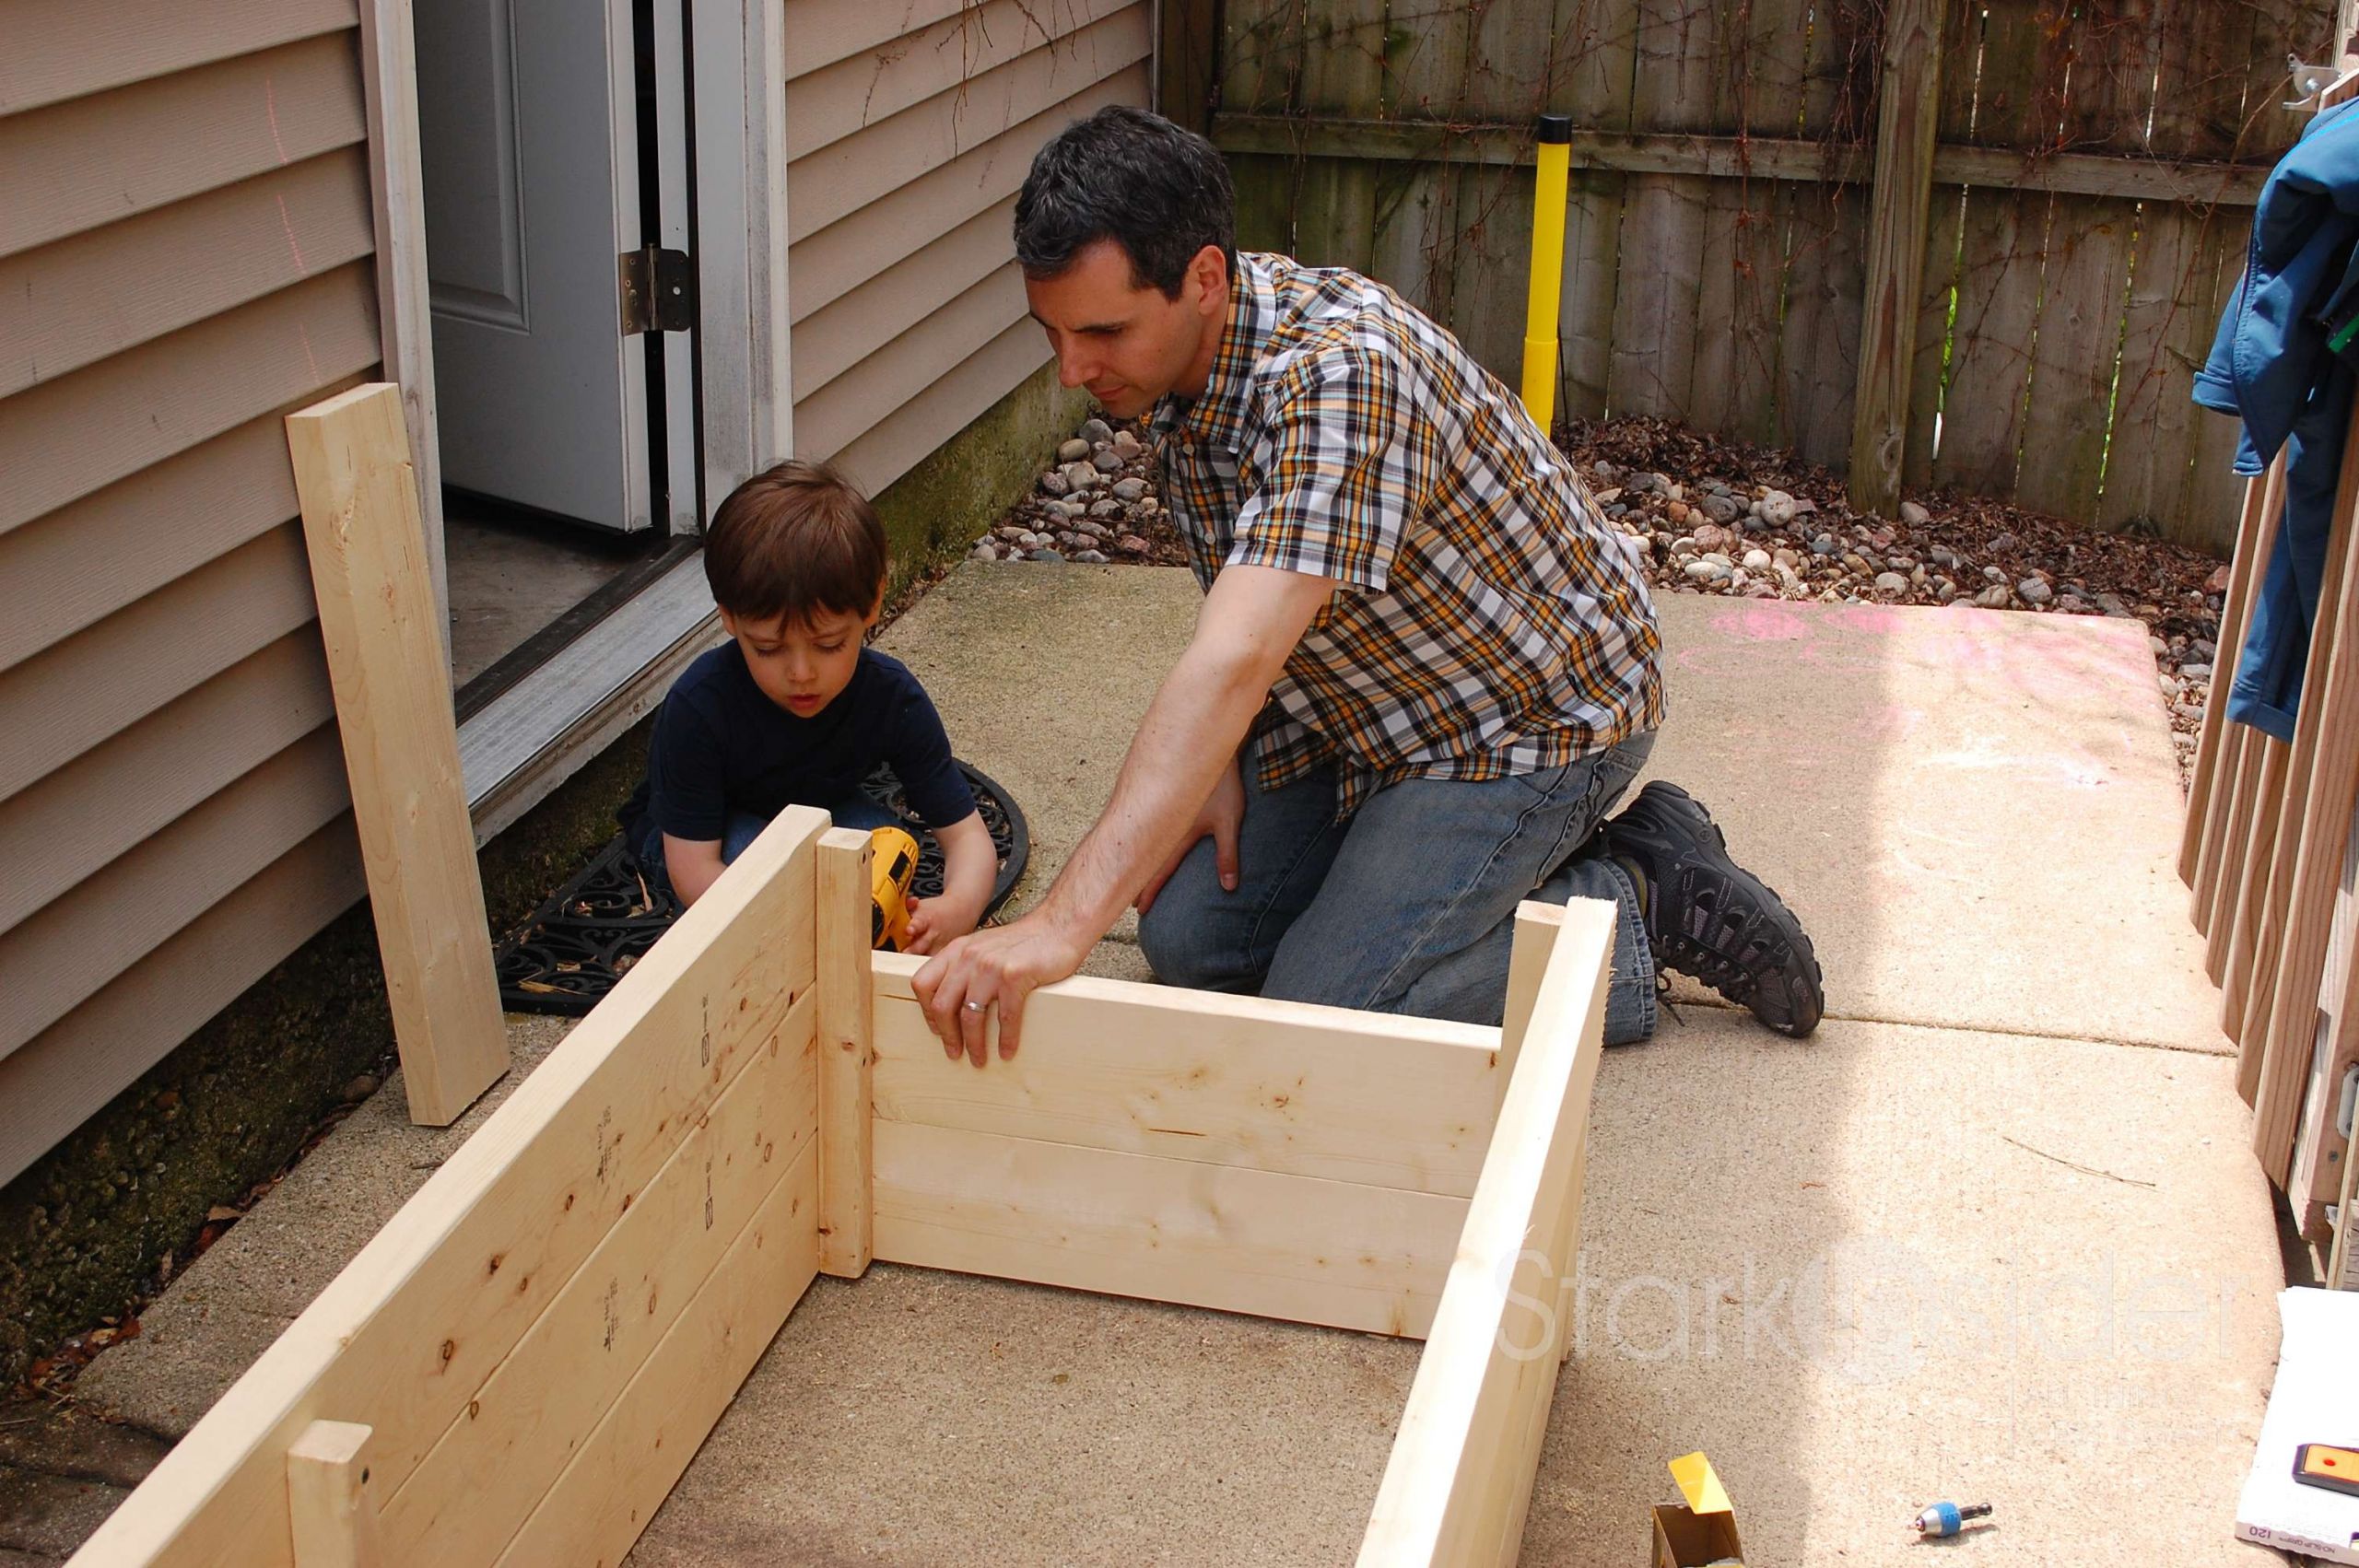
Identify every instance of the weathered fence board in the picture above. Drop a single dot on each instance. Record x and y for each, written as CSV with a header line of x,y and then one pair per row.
x,y
2094,172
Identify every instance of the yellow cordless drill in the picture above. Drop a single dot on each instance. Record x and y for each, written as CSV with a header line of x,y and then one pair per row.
x,y
895,868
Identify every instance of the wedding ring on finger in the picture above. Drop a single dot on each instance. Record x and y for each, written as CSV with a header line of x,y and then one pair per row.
x,y
978,1006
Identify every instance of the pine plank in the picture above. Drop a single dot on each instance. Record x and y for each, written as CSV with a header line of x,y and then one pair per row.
x,y
630,1463
441,1295
505,1448
381,622
1181,1075
1458,1483
331,1501
847,1030
1229,1238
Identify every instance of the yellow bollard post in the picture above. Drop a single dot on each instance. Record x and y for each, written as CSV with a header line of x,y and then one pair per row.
x,y
1548,196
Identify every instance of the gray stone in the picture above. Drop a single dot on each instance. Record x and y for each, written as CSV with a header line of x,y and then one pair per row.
x,y
1914,515
1825,544
1081,476
2035,592
986,551
1108,508
1892,584
2196,672
1778,509
1075,450
1994,597
1047,558
1055,483
1107,463
2112,605
1089,559
1127,445
1757,560
1722,509
1708,571
1095,430
1129,489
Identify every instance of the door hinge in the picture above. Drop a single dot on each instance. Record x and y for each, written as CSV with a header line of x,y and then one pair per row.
x,y
659,290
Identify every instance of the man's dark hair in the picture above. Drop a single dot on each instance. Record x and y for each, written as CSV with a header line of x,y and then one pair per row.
x,y
1159,192
796,540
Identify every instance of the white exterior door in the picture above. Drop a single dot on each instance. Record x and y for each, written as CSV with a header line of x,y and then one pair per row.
x,y
528,119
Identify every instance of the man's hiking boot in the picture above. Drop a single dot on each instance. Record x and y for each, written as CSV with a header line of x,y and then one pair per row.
x,y
1707,917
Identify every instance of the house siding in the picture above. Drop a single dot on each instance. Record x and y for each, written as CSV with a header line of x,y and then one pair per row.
x,y
186,238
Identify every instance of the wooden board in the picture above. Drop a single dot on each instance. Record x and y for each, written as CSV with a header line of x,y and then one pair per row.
x,y
429,1312
1231,1238
1897,245
847,1050
381,620
1368,1099
1459,1481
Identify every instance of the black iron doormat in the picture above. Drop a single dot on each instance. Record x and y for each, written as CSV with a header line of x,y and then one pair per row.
x,y
594,929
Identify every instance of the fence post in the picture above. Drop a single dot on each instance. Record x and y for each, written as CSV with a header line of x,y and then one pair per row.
x,y
1906,125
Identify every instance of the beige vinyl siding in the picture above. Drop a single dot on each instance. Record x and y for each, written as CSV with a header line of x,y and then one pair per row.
x,y
909,129
185,230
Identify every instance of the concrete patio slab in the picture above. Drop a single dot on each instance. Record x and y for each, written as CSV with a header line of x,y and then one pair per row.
x,y
1974,1246
1859,1273
1976,813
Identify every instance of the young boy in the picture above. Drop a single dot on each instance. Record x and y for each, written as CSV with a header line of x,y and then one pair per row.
x,y
795,709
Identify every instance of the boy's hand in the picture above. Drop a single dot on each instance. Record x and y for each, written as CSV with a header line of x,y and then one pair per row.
x,y
936,922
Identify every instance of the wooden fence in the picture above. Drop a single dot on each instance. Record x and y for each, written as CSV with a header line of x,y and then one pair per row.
x,y
2072,218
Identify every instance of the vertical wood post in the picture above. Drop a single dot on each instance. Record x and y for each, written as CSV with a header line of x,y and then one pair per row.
x,y
331,1500
847,1054
1187,47
401,745
404,314
1906,124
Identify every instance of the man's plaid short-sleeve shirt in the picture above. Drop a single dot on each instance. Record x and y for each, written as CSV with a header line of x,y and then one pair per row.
x,y
1493,624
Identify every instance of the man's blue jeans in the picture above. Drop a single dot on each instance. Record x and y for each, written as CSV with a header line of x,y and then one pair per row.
x,y
1410,906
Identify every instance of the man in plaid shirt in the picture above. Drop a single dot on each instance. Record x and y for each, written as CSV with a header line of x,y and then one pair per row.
x,y
1427,667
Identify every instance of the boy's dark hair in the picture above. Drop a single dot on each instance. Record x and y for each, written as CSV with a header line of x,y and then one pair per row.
x,y
1159,192
796,540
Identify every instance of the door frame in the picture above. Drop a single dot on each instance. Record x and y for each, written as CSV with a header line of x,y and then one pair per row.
x,y
538,732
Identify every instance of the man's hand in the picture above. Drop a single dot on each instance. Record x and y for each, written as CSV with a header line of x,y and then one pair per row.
x,y
1250,621
993,970
1223,813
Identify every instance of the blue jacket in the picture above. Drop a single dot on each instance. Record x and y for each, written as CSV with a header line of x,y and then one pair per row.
x,y
2273,367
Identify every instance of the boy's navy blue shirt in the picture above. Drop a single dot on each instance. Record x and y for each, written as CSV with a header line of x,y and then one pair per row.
x,y
722,747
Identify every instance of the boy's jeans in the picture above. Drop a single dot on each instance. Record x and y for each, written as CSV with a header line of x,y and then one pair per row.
x,y
743,827
1408,907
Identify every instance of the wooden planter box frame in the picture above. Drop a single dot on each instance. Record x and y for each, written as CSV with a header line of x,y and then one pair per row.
x,y
518,1367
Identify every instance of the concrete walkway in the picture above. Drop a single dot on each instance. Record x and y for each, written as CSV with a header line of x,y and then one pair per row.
x,y
1992,1234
